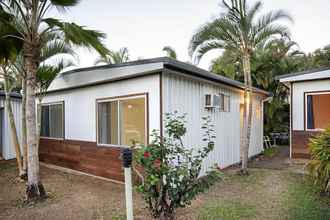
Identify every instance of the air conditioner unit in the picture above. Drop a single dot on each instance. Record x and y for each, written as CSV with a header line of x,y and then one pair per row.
x,y
212,101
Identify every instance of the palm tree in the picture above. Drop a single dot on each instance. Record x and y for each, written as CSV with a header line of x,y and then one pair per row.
x,y
120,56
240,30
10,48
9,83
29,20
170,52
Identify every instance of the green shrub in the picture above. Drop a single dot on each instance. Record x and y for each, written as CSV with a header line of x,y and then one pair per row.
x,y
172,170
319,166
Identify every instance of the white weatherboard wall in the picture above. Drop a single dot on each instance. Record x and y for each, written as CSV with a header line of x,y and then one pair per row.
x,y
298,90
8,146
186,95
80,104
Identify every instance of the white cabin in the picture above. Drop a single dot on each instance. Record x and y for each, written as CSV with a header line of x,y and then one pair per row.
x,y
89,114
310,107
7,149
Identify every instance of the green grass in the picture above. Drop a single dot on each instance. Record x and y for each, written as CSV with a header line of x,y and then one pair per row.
x,y
7,166
270,152
226,210
255,175
303,202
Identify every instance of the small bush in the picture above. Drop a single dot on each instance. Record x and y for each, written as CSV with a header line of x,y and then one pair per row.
x,y
172,170
319,166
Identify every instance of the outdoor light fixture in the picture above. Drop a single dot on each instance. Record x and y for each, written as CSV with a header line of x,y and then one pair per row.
x,y
127,157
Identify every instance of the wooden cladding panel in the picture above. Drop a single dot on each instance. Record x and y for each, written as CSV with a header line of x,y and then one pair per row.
x,y
300,140
83,156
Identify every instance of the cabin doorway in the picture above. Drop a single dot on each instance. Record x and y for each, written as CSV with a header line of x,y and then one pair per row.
x,y
1,132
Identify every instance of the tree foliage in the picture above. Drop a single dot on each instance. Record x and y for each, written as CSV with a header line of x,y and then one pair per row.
x,y
170,52
319,166
28,22
172,170
272,59
114,57
240,30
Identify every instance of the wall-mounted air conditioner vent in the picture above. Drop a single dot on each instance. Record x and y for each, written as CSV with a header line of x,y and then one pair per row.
x,y
212,101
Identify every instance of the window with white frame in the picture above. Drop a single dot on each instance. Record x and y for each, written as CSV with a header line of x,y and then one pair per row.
x,y
317,110
52,120
122,121
224,103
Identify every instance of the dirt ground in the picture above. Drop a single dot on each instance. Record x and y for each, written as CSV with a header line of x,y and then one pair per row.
x,y
82,197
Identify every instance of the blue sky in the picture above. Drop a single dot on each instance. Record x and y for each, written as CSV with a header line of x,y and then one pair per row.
x,y
146,26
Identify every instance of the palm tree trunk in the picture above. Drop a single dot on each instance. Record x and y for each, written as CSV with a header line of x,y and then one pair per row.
x,y
13,129
39,119
247,113
23,115
35,189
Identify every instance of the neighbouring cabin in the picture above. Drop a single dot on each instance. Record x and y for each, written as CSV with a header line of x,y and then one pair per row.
x,y
90,114
310,107
7,150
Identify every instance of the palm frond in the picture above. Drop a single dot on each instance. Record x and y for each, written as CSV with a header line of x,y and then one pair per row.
x,y
47,73
114,57
79,35
55,48
170,52
220,30
269,18
262,36
65,3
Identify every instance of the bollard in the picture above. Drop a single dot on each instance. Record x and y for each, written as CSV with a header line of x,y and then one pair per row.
x,y
127,163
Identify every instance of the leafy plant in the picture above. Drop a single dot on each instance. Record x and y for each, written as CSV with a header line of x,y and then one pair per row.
x,y
319,166
240,30
172,170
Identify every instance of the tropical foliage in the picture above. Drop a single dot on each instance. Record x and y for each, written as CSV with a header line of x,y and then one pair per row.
x,y
172,170
274,58
319,166
170,52
114,57
240,31
27,22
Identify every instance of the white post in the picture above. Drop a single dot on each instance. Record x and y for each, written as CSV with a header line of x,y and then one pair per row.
x,y
128,193
127,164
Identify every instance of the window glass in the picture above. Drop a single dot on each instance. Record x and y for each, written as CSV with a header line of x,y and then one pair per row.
x,y
108,122
122,122
224,103
132,121
44,121
318,111
52,121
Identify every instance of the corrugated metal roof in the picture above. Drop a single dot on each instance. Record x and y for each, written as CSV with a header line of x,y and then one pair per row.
x,y
13,94
89,76
302,73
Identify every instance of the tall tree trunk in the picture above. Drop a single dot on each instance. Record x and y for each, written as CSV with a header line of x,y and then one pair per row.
x,y
247,113
13,129
39,119
23,115
35,189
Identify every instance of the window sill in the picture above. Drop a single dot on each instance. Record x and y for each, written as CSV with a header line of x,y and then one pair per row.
x,y
50,138
112,145
315,130
117,146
